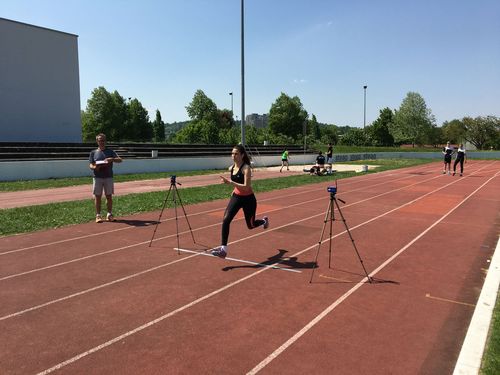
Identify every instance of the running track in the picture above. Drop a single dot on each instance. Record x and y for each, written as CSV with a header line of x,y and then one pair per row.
x,y
95,299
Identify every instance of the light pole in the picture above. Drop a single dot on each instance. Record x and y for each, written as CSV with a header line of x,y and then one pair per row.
x,y
231,103
364,108
243,72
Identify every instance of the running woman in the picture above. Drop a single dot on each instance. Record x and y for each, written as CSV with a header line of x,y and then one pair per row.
x,y
461,158
242,197
447,151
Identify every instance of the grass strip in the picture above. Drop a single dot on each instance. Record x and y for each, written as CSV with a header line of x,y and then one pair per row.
x,y
74,181
54,215
491,359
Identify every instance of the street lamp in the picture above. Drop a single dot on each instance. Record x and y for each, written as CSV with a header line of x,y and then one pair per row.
x,y
243,72
231,103
364,108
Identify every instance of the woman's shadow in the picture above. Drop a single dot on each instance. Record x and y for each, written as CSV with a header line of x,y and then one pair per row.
x,y
275,260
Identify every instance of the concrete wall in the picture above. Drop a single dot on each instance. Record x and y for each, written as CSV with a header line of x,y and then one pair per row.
x,y
39,84
33,170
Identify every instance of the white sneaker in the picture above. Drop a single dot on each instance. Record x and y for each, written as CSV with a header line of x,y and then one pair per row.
x,y
266,222
219,252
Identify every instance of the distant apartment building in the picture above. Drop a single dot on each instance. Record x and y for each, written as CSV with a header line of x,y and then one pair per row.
x,y
259,121
39,84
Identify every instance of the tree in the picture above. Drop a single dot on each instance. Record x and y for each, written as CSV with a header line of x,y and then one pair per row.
x,y
137,125
329,134
454,131
482,132
313,128
378,132
287,116
206,120
158,128
99,116
354,137
201,107
413,121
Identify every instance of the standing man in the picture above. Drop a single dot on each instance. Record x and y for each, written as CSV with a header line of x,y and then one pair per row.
x,y
101,162
329,158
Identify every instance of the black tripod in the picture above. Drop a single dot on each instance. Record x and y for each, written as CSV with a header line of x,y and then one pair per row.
x,y
175,197
330,217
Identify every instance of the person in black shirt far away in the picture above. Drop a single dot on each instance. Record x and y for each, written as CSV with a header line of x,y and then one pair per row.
x,y
242,197
447,152
101,162
319,168
329,158
460,158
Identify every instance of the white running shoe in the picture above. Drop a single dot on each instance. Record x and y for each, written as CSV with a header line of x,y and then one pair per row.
x,y
266,222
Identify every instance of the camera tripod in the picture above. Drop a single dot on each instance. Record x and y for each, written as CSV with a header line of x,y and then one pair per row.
x,y
330,217
175,197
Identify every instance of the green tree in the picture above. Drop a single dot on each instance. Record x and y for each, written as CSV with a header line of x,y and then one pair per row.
x,y
482,132
137,125
413,121
329,134
225,119
202,107
158,128
354,137
103,114
378,132
454,131
313,128
206,120
287,116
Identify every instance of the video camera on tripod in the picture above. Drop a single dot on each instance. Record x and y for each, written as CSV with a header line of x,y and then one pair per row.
x,y
330,218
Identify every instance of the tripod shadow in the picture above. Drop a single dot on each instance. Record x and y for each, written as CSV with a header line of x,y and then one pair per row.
x,y
137,223
339,280
277,260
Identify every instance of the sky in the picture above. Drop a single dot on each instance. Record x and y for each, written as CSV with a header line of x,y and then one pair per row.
x,y
323,51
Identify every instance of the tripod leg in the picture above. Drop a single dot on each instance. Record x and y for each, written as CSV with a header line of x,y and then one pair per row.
x,y
185,215
332,218
352,241
320,240
161,213
176,220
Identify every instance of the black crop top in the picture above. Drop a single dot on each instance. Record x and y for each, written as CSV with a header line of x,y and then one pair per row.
x,y
239,177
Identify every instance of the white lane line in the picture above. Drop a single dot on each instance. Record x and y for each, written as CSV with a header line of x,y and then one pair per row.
x,y
241,260
330,308
149,324
93,289
352,181
215,292
163,265
194,230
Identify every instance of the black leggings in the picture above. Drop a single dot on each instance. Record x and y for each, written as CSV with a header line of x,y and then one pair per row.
x,y
249,205
461,161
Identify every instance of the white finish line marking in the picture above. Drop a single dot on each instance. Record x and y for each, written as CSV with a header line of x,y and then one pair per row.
x,y
239,260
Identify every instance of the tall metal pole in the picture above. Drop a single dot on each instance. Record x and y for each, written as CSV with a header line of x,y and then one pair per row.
x,y
364,110
231,103
242,72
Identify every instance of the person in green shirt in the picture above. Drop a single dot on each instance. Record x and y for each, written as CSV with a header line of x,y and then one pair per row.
x,y
284,160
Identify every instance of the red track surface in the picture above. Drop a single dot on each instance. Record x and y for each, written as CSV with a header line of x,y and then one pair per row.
x,y
96,299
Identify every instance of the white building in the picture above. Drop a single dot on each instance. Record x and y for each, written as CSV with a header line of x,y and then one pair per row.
x,y
39,84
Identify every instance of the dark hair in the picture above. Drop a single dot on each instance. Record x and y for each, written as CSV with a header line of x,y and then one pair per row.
x,y
243,152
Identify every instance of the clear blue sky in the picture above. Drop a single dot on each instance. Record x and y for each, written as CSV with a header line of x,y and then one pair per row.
x,y
323,51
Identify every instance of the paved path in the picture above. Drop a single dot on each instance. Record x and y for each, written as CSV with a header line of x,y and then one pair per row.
x,y
73,193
